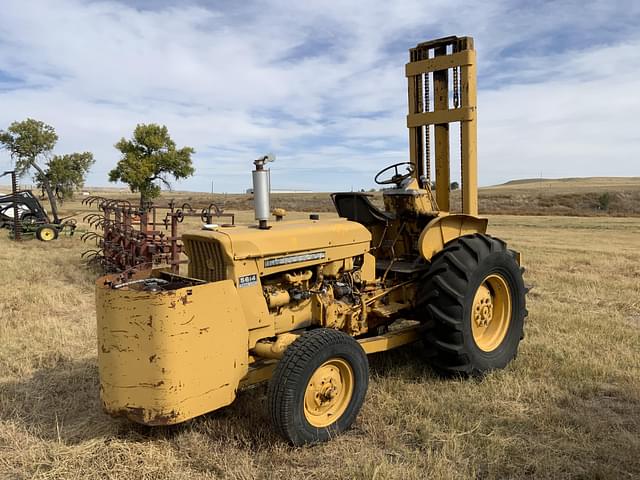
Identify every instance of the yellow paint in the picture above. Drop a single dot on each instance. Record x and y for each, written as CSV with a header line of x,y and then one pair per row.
x,y
260,371
410,200
47,234
433,64
443,62
469,136
329,392
286,237
254,304
275,350
391,340
294,316
491,313
441,230
368,270
165,357
237,251
463,114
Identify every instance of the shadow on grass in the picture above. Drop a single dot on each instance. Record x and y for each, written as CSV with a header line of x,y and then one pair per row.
x,y
408,363
246,423
61,403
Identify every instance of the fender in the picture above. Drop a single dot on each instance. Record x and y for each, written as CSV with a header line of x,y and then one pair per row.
x,y
441,230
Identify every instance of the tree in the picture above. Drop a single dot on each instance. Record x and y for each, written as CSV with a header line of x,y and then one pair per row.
x,y
28,142
66,173
150,156
454,186
604,200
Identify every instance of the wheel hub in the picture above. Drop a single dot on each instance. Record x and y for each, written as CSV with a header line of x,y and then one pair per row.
x,y
47,234
491,312
483,307
328,393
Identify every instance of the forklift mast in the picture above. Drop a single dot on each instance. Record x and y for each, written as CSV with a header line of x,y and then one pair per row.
x,y
438,98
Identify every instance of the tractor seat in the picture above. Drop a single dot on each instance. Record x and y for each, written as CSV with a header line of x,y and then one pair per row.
x,y
357,207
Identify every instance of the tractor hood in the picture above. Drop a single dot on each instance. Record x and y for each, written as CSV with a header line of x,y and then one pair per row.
x,y
284,237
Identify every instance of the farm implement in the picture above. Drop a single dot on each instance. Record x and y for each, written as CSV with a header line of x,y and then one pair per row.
x,y
127,238
24,215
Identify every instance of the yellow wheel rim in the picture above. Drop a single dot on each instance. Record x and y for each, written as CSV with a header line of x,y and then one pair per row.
x,y
328,393
491,313
47,234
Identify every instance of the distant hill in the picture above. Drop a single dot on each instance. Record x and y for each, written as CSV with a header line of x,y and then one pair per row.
x,y
570,184
564,196
615,196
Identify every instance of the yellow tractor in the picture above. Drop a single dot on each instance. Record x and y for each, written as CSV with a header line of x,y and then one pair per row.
x,y
301,303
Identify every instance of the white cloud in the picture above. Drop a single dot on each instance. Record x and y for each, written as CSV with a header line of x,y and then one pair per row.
x,y
578,121
322,84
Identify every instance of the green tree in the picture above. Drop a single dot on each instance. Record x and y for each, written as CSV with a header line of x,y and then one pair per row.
x,y
29,142
66,173
149,157
604,200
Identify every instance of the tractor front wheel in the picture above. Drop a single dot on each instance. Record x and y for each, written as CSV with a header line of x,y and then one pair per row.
x,y
474,300
318,387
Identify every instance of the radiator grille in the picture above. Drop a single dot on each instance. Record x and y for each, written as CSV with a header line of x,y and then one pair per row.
x,y
206,260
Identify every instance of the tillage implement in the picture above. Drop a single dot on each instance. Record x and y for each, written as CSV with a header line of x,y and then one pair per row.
x,y
24,215
302,303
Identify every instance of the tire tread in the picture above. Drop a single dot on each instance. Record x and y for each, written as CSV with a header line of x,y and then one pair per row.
x,y
289,372
452,269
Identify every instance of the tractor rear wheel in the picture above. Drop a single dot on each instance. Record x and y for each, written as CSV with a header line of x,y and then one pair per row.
x,y
318,386
474,297
46,233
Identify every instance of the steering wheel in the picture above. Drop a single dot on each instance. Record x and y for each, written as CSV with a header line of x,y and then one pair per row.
x,y
398,177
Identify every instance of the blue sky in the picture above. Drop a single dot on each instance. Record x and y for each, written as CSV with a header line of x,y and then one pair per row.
x,y
321,83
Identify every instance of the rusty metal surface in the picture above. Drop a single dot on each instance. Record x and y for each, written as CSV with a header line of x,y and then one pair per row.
x,y
17,223
125,237
164,356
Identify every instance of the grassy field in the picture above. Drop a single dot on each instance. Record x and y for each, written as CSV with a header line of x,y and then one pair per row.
x,y
568,407
619,196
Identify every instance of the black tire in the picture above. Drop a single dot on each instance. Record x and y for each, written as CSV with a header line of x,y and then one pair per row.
x,y
29,219
288,386
46,233
446,298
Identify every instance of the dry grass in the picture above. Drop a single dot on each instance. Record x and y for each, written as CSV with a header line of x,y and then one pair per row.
x,y
569,406
616,196
595,196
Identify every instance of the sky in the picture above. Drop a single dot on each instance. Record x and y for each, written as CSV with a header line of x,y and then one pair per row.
x,y
321,84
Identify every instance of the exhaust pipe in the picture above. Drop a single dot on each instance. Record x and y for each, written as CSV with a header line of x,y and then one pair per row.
x,y
262,190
